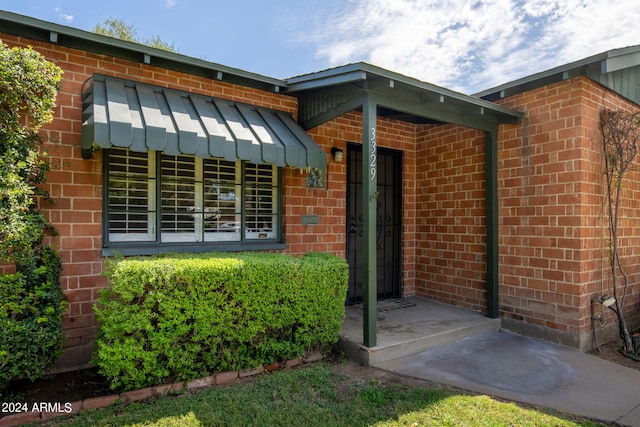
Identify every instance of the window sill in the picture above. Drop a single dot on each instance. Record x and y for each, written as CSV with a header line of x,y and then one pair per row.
x,y
139,249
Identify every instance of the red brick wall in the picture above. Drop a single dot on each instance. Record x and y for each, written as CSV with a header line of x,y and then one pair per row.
x,y
451,234
553,227
75,184
553,236
391,134
553,233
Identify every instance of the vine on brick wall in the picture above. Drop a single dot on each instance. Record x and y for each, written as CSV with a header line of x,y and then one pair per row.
x,y
31,301
621,143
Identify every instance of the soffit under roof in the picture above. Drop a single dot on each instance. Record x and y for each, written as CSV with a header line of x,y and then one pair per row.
x,y
328,94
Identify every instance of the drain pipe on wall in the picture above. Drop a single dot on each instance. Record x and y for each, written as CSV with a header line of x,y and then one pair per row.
x,y
597,318
604,301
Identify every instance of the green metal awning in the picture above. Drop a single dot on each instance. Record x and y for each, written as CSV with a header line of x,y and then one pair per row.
x,y
141,117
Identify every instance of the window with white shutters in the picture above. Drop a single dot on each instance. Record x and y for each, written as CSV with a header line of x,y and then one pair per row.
x,y
165,200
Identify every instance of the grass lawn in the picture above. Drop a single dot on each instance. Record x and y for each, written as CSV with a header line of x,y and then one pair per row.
x,y
317,395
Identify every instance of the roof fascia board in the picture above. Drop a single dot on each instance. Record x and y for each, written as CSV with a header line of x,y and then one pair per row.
x,y
620,62
320,75
21,25
609,61
480,121
439,90
367,73
321,81
553,74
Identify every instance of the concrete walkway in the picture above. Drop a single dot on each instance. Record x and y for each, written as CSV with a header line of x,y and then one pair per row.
x,y
445,344
530,371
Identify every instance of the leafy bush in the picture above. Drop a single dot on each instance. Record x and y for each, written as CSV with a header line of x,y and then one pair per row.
x,y
28,88
175,318
30,318
31,301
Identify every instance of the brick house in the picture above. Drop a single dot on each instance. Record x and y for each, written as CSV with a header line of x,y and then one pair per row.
x,y
491,202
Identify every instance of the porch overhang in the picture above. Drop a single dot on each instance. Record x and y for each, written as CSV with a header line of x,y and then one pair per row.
x,y
376,92
328,94
142,117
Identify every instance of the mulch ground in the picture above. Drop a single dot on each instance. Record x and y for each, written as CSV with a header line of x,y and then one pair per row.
x,y
62,387
611,352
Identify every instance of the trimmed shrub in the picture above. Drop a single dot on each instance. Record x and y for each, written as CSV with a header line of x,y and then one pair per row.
x,y
175,318
30,318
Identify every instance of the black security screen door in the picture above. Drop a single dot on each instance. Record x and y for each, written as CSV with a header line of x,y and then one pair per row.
x,y
388,223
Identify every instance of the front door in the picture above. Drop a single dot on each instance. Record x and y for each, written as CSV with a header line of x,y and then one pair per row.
x,y
388,223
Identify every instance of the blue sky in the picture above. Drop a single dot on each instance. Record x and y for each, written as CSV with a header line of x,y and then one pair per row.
x,y
465,45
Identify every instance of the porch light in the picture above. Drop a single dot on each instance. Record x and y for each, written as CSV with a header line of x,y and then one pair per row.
x,y
337,154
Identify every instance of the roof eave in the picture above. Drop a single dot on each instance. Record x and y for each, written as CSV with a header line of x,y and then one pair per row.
x,y
20,25
612,60
361,72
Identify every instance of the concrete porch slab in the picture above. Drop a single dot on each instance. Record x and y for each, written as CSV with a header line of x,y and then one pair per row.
x,y
419,326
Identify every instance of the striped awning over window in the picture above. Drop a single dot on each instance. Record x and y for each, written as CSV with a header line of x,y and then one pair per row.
x,y
141,117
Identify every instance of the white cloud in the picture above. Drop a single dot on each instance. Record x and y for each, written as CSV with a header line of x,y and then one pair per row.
x,y
471,45
169,3
63,16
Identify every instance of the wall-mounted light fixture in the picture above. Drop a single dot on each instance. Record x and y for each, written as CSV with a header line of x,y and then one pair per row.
x,y
337,154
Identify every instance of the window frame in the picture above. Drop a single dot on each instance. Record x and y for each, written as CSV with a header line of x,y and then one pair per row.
x,y
130,247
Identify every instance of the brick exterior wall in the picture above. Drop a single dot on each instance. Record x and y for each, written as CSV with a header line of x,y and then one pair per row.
x,y
553,227
75,184
553,236
450,194
392,134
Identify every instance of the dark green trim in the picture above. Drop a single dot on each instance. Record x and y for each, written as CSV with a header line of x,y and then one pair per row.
x,y
319,118
128,114
328,94
491,153
475,117
617,69
129,249
369,199
324,79
25,26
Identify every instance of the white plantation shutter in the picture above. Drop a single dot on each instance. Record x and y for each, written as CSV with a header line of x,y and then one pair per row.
x,y
180,203
260,202
131,196
222,201
198,200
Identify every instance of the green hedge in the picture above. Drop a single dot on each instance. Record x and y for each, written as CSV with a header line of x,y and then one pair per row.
x,y
31,307
175,318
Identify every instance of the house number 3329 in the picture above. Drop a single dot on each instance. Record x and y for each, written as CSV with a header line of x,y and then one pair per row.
x,y
372,155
